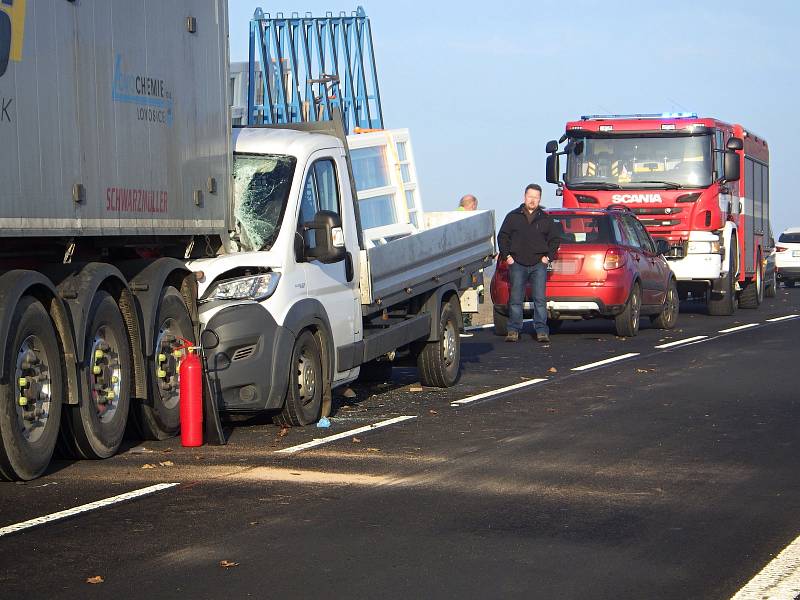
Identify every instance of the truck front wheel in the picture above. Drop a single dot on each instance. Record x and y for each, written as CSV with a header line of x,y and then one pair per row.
x,y
30,402
303,403
439,362
722,296
94,428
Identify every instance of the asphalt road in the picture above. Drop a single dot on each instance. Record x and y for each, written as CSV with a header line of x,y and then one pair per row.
x,y
671,473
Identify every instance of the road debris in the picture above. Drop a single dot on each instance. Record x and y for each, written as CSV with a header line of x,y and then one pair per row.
x,y
227,564
324,423
95,580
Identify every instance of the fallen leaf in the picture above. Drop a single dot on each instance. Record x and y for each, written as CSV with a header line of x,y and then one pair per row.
x,y
641,370
552,370
373,449
433,412
167,463
253,522
283,432
148,466
94,580
227,564
167,450
415,388
356,440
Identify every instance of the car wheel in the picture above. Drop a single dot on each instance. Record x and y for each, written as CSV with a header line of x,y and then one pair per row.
x,y
722,299
627,322
500,322
668,316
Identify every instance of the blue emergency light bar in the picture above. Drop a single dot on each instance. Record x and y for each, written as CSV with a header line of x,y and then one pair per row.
x,y
666,115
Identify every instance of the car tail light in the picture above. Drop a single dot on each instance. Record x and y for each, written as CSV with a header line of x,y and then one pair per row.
x,y
780,249
614,259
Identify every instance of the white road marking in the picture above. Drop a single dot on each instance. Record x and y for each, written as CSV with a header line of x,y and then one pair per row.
x,y
779,580
502,390
679,342
606,361
344,434
776,319
70,512
739,328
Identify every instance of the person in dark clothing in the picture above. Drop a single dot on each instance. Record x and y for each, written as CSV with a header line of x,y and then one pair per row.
x,y
529,240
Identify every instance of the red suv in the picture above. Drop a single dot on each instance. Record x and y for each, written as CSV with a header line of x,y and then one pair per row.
x,y
607,266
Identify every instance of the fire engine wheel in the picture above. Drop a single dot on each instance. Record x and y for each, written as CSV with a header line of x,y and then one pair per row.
x,y
668,316
30,402
159,417
722,296
303,403
627,322
439,362
94,428
753,295
500,321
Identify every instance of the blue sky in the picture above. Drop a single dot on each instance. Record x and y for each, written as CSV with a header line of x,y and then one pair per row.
x,y
483,86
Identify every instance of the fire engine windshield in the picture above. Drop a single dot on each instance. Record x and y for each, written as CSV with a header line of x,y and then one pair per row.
x,y
620,162
261,187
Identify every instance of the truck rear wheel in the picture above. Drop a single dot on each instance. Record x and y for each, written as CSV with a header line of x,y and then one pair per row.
x,y
753,295
722,296
30,403
627,322
439,362
303,402
94,428
159,417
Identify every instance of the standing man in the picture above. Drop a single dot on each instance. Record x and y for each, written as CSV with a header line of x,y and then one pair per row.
x,y
528,240
468,202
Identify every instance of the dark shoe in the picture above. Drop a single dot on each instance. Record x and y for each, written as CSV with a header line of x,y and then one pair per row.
x,y
543,337
512,336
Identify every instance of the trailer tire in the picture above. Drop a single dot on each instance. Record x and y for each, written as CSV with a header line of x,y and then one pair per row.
x,y
500,321
159,416
753,295
303,402
627,322
726,304
668,316
26,451
95,427
439,362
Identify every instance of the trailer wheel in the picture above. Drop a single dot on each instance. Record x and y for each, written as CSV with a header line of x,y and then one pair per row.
x,y
722,296
627,322
439,363
753,295
159,418
303,403
95,427
30,402
668,316
500,321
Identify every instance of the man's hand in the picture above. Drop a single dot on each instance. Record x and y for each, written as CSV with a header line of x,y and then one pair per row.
x,y
545,260
510,260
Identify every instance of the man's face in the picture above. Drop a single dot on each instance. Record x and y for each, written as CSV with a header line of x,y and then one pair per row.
x,y
532,199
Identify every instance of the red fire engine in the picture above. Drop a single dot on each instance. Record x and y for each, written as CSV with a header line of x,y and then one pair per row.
x,y
699,183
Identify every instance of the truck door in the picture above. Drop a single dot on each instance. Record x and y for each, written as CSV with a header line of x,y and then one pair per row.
x,y
329,283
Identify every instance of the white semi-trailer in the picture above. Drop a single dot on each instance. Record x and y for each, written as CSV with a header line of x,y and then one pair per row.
x,y
131,218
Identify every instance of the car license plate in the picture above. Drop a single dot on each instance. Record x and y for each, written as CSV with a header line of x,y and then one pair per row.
x,y
565,267
795,252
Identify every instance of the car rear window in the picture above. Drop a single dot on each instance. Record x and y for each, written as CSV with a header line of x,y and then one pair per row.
x,y
790,238
585,229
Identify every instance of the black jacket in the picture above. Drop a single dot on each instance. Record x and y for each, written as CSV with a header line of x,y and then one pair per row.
x,y
528,242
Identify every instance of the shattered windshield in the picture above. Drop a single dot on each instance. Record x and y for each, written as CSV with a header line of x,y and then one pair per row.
x,y
261,184
617,162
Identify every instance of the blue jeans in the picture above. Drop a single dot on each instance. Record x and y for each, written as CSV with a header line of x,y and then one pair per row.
x,y
520,275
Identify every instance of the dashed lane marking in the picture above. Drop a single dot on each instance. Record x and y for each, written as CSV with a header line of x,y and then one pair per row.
x,y
344,434
739,328
679,342
600,363
71,512
779,580
787,317
496,392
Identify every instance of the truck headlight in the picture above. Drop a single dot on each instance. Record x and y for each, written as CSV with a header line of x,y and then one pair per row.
x,y
703,248
255,287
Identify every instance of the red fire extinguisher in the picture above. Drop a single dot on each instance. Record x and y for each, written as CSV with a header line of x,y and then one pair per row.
x,y
191,398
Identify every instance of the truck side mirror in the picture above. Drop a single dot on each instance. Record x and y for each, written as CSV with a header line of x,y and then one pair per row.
x,y
734,143
731,166
328,238
551,147
552,169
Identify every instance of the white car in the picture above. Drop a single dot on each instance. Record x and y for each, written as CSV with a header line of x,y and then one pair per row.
x,y
787,257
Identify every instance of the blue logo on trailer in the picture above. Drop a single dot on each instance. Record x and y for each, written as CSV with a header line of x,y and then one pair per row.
x,y
151,95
